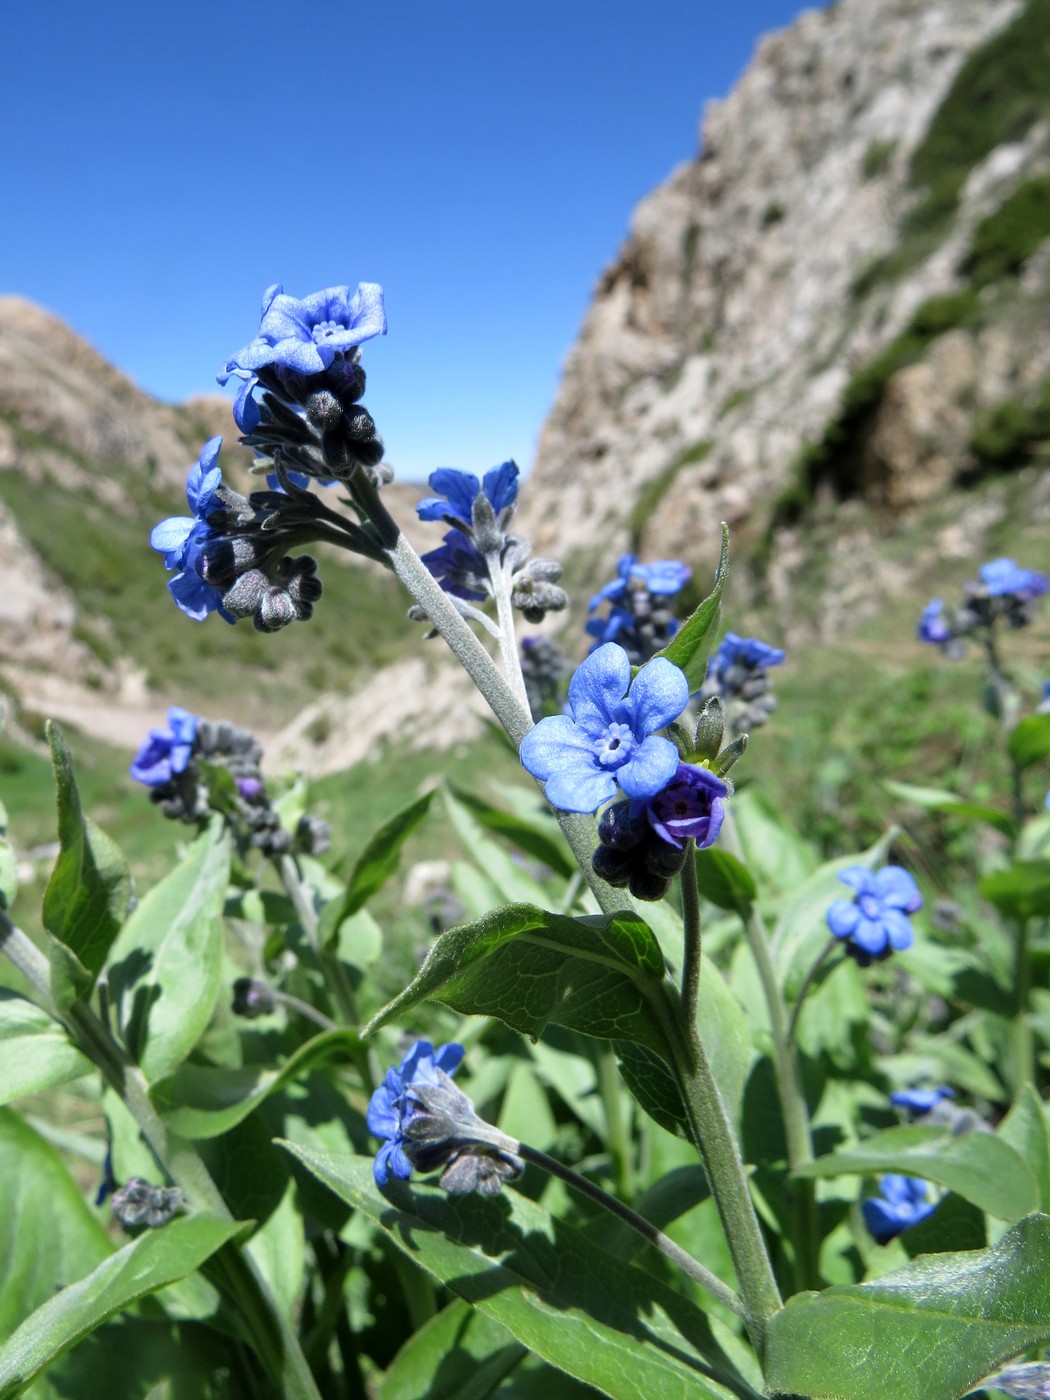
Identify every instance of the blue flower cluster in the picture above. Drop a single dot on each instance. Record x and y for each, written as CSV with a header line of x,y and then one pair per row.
x,y
641,617
736,675
166,752
1004,590
903,1201
874,923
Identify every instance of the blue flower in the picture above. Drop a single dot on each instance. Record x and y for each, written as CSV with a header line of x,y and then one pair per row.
x,y
181,538
691,805
389,1109
305,336
1001,576
904,1202
609,737
920,1101
166,752
458,567
933,628
662,576
875,922
747,653
457,492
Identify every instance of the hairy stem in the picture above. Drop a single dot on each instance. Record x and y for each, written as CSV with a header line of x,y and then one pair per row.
x,y
691,933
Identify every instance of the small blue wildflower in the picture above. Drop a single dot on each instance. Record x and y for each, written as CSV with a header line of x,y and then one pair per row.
x,y
933,627
692,805
457,491
305,336
458,567
920,1101
904,1202
661,577
389,1111
741,653
1002,576
875,922
166,752
609,737
180,538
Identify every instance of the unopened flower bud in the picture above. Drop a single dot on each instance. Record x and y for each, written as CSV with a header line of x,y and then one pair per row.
x,y
276,609
488,538
710,729
138,1203
252,998
323,410
243,597
729,755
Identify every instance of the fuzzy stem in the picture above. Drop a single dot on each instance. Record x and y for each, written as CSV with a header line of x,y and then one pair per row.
x,y
508,643
691,933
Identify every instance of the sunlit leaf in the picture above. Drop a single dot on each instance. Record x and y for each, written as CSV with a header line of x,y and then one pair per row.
x,y
691,645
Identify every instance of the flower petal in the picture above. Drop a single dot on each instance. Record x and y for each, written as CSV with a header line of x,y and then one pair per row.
x,y
843,917
859,878
659,694
598,687
551,743
651,766
579,789
897,889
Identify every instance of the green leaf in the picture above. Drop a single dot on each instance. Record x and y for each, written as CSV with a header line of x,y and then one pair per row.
x,y
458,1355
1025,1130
513,882
88,893
375,865
654,1086
156,1258
48,1234
1029,740
35,1050
930,1331
724,880
538,838
940,800
203,1101
977,1166
1021,891
606,1323
166,966
601,975
692,643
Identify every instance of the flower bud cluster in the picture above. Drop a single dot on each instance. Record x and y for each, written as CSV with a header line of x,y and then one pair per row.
x,y
138,1204
641,618
1003,592
544,667
193,767
478,554
736,674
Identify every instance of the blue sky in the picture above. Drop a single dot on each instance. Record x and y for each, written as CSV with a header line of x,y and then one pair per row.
x,y
163,163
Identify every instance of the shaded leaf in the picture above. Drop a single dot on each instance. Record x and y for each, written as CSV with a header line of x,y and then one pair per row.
x,y
724,880
36,1052
654,1086
458,1355
930,1331
1029,740
601,975
375,865
140,1268
691,645
166,966
538,837
978,1166
1025,1129
1021,891
606,1323
940,800
510,877
87,895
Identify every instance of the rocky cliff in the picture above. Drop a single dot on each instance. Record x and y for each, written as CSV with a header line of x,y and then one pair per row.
x,y
831,319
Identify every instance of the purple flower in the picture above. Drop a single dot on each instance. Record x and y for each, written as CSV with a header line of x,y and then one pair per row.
x,y
609,737
691,805
1001,576
458,567
662,576
389,1108
305,336
457,492
181,538
166,752
904,1202
933,628
920,1101
875,922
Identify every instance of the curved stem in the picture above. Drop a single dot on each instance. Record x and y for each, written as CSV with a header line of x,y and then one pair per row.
x,y
807,986
303,1008
685,1261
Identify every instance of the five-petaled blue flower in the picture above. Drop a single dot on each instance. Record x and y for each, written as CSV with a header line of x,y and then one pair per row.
x,y
875,922
389,1107
610,738
1001,576
180,538
933,627
904,1202
305,336
662,576
457,492
166,752
920,1101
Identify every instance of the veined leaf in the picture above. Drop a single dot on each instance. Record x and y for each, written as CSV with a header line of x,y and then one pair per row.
x,y
606,1323
156,1258
691,645
980,1167
166,966
930,1331
602,975
87,895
